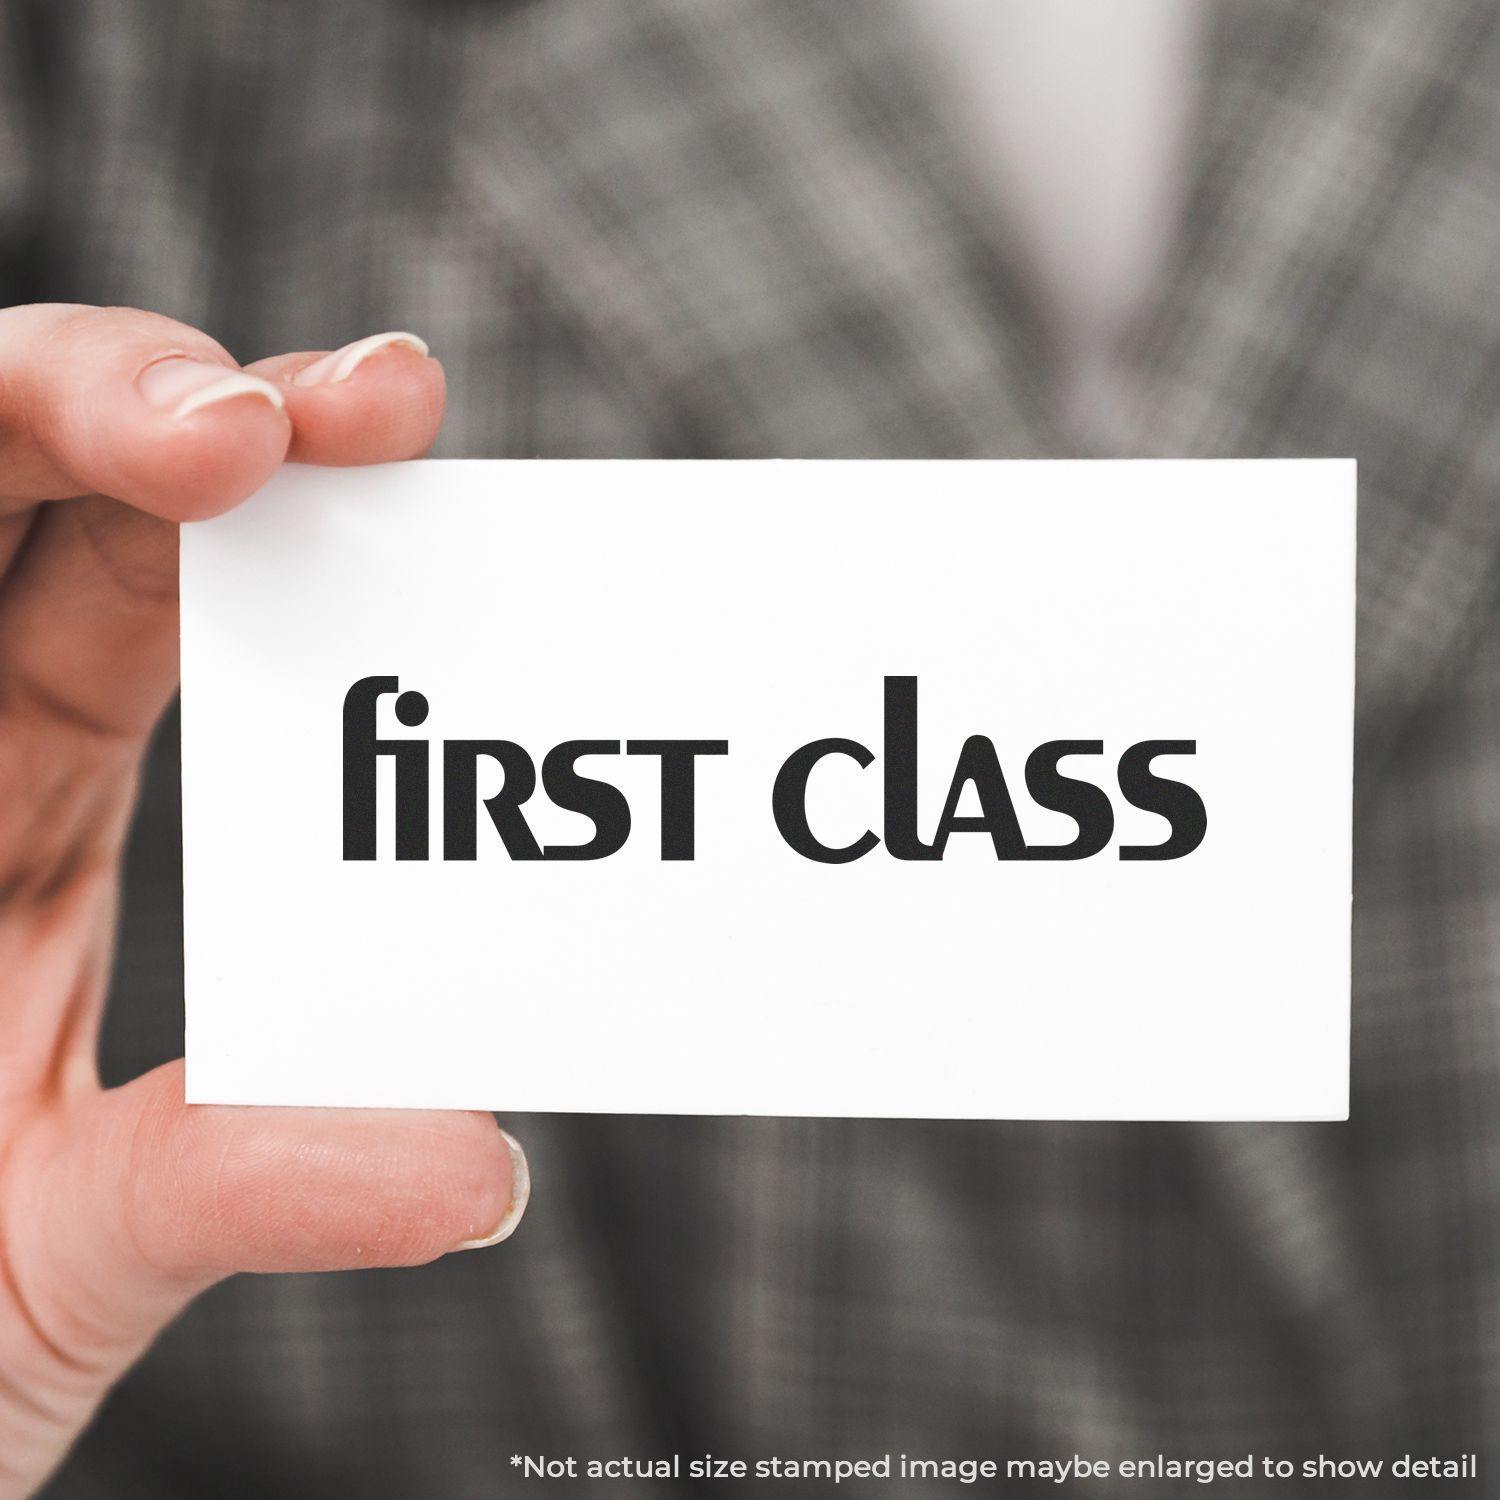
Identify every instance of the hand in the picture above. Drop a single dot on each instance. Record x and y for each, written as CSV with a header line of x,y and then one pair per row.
x,y
118,1206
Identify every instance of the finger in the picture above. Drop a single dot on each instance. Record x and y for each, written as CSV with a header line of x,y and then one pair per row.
x,y
376,400
136,1202
121,402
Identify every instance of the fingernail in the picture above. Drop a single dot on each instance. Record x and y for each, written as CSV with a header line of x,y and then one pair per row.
x,y
520,1193
182,386
342,363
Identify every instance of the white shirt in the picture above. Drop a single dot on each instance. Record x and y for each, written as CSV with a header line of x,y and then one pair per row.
x,y
1078,116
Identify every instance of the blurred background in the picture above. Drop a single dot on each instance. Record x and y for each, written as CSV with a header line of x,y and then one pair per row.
x,y
902,228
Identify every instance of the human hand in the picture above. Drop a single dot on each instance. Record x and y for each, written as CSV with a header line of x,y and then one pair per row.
x,y
118,1206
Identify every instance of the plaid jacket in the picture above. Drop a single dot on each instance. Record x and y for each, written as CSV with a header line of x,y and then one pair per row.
x,y
736,227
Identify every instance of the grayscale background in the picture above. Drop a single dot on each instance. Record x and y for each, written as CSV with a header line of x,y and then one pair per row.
x,y
724,228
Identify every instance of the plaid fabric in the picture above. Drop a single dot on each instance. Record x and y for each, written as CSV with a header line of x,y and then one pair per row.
x,y
735,227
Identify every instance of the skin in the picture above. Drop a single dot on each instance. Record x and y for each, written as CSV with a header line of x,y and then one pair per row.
x,y
118,1206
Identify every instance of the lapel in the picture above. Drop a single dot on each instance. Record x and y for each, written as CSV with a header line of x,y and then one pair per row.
x,y
1335,294
752,214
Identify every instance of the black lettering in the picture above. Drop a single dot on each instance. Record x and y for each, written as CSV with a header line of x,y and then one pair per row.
x,y
1175,801
978,763
1087,805
789,802
460,783
901,836
678,759
604,805
361,748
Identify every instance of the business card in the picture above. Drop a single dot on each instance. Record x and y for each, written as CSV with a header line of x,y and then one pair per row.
x,y
968,789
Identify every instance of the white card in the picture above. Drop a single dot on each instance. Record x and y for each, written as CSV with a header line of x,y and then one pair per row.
x,y
1097,864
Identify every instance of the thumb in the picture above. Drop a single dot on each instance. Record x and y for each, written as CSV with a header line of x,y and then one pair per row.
x,y
119,1209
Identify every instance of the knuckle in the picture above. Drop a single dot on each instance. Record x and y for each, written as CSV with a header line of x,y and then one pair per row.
x,y
76,330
